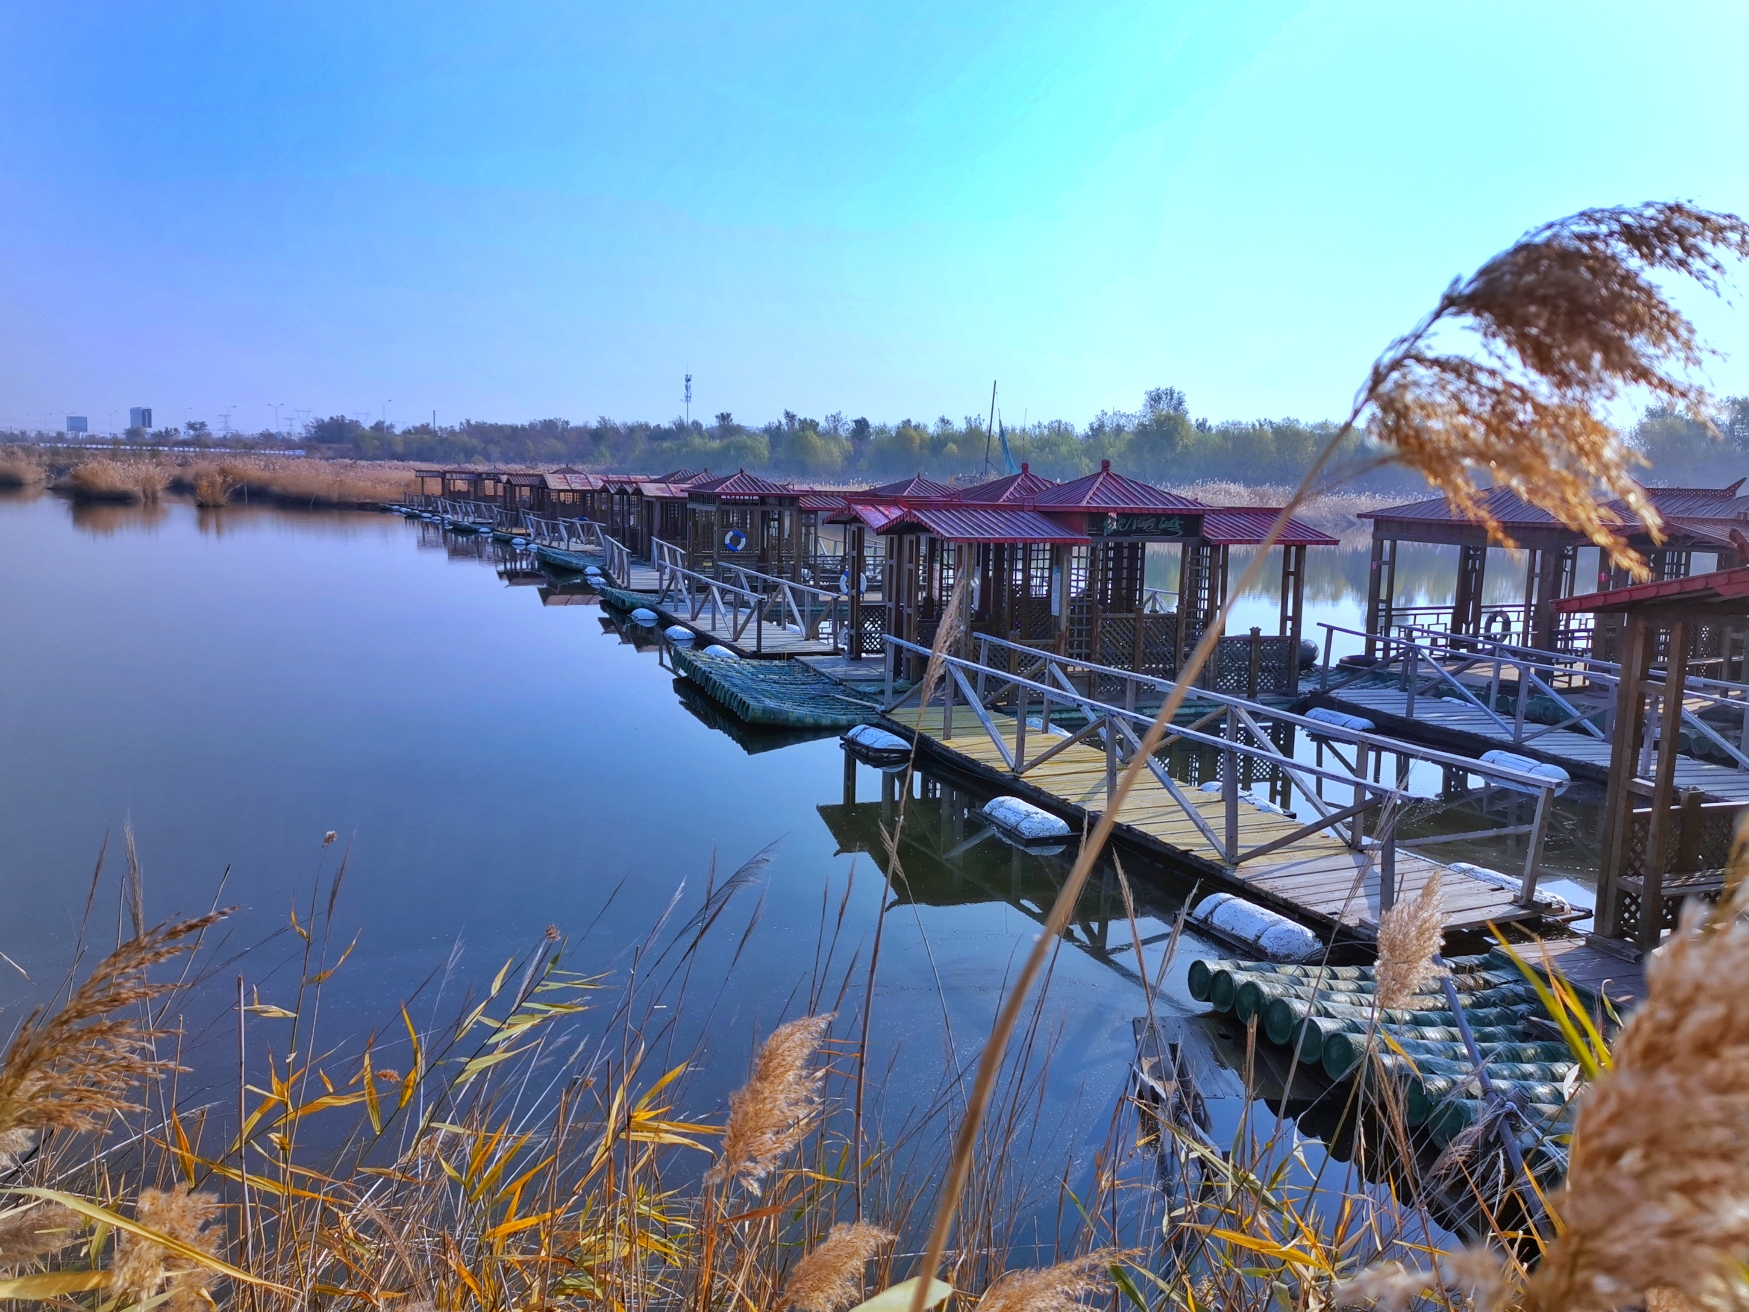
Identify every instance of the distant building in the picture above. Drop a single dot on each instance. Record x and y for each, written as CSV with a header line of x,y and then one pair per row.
x,y
76,424
140,416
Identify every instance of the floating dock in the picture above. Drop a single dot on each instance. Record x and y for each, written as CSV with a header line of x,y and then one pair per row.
x,y
778,693
1316,878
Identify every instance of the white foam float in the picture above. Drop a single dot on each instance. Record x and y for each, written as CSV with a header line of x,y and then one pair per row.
x,y
717,649
644,615
877,747
1340,720
1257,929
678,634
1525,765
1021,819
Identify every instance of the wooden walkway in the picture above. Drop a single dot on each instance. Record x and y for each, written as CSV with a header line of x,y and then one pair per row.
x,y
1318,879
1470,728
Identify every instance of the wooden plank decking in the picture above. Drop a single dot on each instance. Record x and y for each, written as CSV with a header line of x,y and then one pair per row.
x,y
1317,878
1585,756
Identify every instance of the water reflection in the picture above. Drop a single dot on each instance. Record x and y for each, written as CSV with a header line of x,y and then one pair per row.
x,y
103,519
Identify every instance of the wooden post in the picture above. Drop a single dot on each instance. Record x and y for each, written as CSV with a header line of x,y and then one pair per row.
x,y
1374,582
849,778
1663,787
1255,664
1388,860
1020,729
1110,760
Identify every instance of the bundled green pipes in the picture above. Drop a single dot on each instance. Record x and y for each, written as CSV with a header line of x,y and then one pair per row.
x,y
1329,1013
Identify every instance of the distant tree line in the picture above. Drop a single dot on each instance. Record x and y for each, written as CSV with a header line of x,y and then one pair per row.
x,y
1159,442
1692,450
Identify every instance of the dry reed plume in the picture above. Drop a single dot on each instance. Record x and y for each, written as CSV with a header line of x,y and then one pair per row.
x,y
771,1113
1058,1288
1657,1194
1567,319
84,1062
36,1229
1410,934
144,1268
829,1278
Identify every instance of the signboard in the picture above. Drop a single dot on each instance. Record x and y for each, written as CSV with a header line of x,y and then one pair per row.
x,y
1124,524
76,424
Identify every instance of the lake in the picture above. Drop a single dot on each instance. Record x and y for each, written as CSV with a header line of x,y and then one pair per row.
x,y
236,684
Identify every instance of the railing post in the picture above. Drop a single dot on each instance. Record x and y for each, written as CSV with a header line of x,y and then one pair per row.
x,y
888,654
1110,761
1523,697
1329,642
1411,678
946,698
1534,849
1020,730
1357,824
1230,787
1388,859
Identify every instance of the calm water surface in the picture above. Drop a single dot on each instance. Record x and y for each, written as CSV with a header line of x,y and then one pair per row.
x,y
235,684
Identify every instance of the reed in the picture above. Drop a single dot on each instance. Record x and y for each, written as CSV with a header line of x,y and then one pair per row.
x,y
103,479
20,467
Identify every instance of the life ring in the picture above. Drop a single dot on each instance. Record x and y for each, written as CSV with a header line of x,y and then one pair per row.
x,y
1505,629
734,539
846,589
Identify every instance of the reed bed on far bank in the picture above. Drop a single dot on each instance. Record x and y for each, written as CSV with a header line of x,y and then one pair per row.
x,y
276,480
1335,512
104,479
21,467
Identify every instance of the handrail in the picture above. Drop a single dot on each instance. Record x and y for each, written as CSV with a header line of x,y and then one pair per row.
x,y
1109,723
795,602
744,608
1532,664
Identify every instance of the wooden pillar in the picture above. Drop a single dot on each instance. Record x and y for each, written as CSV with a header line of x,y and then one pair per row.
x,y
853,575
1375,582
1624,752
1466,608
1663,788
1540,611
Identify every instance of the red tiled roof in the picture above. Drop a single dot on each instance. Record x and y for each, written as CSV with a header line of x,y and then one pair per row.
x,y
1720,585
915,486
1105,490
974,524
660,490
1023,486
1247,526
821,501
1507,507
1699,502
742,484
683,476
526,480
874,516
572,481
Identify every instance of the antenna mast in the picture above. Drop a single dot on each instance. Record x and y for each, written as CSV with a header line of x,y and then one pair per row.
x,y
989,426
689,400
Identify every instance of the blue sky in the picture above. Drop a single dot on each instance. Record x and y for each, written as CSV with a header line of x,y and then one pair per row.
x,y
522,210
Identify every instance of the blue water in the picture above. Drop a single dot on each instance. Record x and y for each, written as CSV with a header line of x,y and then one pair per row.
x,y
237,684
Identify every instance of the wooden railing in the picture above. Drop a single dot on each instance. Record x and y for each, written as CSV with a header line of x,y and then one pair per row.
x,y
1042,683
1439,658
749,599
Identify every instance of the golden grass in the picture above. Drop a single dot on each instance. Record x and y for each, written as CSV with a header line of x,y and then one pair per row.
x,y
21,467
277,480
773,1111
104,479
1657,1196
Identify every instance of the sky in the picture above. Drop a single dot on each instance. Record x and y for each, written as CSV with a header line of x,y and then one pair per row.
x,y
523,210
